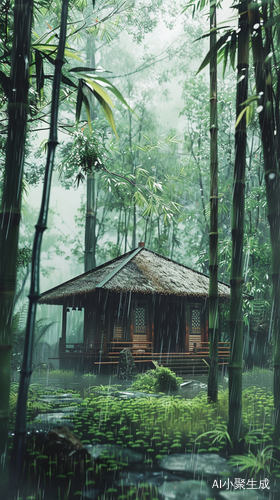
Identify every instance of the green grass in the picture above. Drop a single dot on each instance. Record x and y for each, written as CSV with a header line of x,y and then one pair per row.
x,y
154,427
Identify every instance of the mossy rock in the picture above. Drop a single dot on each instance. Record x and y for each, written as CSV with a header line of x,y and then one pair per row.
x,y
126,367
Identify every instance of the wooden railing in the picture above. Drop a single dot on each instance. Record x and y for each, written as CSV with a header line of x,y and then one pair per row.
x,y
113,349
136,347
80,348
141,351
223,348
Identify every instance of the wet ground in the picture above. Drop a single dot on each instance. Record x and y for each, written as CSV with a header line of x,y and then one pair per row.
x,y
256,377
177,476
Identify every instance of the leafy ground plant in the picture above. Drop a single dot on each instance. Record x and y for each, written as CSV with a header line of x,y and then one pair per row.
x,y
262,462
159,380
218,436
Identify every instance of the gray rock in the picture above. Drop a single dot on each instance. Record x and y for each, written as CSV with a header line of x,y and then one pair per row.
x,y
135,394
193,384
90,494
45,426
67,410
60,400
126,367
113,451
153,478
56,396
51,418
185,490
207,464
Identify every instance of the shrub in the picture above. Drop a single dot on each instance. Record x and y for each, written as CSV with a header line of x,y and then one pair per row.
x,y
159,380
88,379
167,380
145,382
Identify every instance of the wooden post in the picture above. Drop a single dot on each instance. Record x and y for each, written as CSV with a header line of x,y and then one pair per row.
x,y
64,323
186,314
62,343
91,337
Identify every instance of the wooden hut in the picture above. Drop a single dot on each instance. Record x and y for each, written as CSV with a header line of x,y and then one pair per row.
x,y
141,300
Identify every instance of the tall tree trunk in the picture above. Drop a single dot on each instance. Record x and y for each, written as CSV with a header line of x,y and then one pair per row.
x,y
213,235
268,119
237,225
26,370
11,207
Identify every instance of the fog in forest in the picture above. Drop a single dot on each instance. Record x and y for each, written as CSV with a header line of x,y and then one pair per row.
x,y
139,339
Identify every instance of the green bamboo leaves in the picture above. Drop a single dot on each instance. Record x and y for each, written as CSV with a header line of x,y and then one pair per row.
x,y
95,86
224,46
85,90
88,86
248,110
49,51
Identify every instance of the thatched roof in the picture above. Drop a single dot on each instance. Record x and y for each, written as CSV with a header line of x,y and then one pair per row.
x,y
140,271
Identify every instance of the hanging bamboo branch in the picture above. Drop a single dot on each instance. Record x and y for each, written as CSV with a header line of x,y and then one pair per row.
x,y
26,370
237,230
213,234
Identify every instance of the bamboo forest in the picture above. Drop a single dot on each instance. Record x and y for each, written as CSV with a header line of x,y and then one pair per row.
x,y
139,250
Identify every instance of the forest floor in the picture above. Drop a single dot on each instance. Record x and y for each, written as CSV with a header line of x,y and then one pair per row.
x,y
146,447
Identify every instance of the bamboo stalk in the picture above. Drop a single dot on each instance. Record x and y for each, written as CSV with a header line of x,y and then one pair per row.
x,y
213,234
26,370
18,109
270,143
237,224
90,229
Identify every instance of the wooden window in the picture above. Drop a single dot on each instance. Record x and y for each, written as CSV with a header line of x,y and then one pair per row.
x,y
140,322
195,320
195,330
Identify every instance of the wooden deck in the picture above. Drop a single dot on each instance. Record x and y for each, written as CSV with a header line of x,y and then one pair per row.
x,y
75,356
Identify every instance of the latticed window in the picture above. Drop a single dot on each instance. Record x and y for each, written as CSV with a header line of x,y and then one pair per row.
x,y
140,320
195,321
195,328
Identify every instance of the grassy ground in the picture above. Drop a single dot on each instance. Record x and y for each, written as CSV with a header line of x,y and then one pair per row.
x,y
152,426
